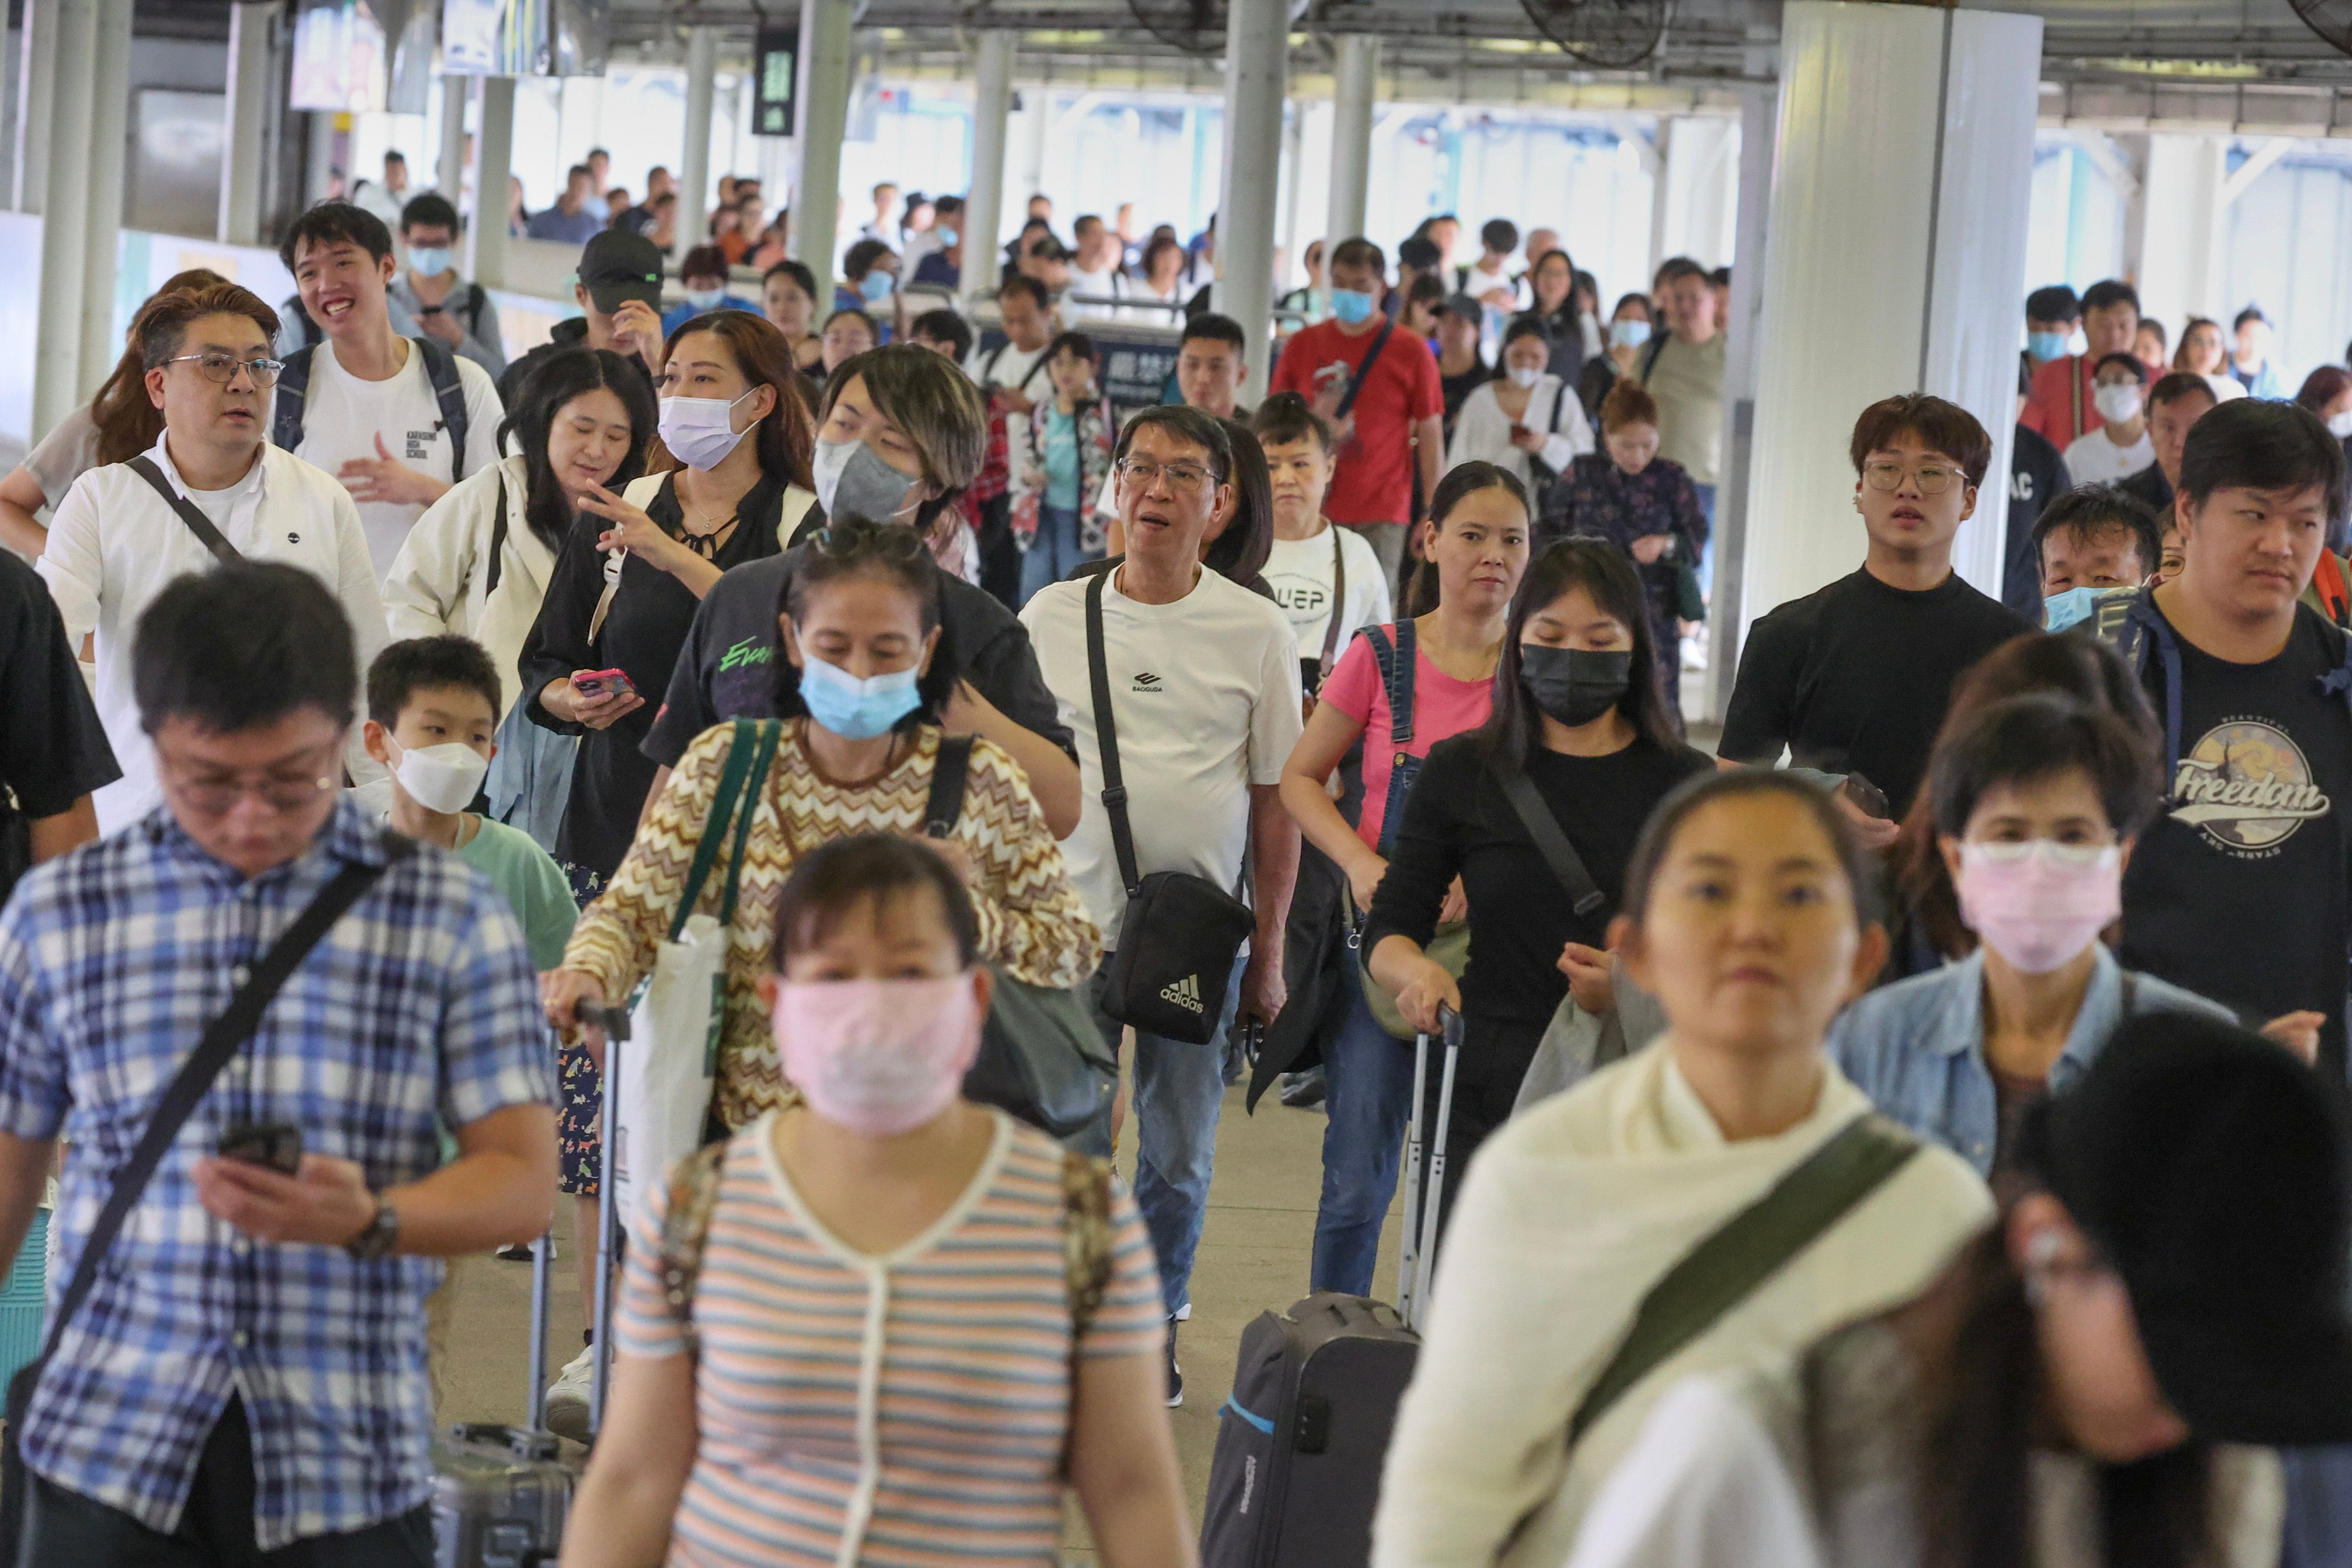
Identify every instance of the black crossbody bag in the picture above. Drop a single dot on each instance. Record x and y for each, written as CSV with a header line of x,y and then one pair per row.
x,y
187,1091
1177,945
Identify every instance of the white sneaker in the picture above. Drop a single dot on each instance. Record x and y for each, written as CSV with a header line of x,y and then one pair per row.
x,y
567,1397
1695,651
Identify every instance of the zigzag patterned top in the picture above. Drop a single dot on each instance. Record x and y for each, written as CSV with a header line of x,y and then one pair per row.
x,y
1032,919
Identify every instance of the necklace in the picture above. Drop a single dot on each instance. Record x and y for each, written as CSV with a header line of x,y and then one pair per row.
x,y
706,542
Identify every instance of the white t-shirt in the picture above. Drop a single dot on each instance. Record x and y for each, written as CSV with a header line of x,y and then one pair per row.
x,y
1206,694
1022,369
1300,573
2094,460
343,416
1109,283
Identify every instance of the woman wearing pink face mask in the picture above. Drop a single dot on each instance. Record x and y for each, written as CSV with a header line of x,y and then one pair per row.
x,y
2036,803
908,1321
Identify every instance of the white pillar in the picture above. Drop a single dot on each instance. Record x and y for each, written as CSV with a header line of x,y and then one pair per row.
x,y
983,204
1894,263
1257,60
1696,186
64,236
242,118
109,153
694,160
1357,83
1035,120
824,116
486,256
450,166
1758,100
2181,229
37,79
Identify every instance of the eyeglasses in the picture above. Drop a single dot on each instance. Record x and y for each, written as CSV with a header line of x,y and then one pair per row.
x,y
889,541
1933,479
221,369
1184,479
212,795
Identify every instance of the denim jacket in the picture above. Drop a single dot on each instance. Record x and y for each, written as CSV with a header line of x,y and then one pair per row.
x,y
1916,1047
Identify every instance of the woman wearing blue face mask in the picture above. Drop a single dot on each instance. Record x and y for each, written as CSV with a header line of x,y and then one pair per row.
x,y
704,275
869,282
627,580
860,686
1629,328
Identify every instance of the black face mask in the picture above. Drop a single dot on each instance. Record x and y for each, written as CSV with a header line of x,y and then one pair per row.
x,y
1575,685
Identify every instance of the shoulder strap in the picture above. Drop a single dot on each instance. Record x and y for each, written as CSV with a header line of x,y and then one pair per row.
x,y
2074,385
498,536
449,392
1339,597
1650,355
191,514
476,298
1550,842
2334,596
220,1041
1364,368
1114,793
749,753
1727,1268
1396,659
1085,1237
685,1228
293,391
949,771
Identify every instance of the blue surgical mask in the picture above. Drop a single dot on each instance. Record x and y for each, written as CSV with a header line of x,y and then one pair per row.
x,y
2078,606
1351,305
947,236
875,286
857,709
706,299
2046,345
429,261
1629,334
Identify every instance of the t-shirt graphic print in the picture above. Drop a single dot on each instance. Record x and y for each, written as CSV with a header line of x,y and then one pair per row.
x,y
2247,787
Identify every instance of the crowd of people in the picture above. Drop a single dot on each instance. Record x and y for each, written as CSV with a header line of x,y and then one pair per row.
x,y
438,695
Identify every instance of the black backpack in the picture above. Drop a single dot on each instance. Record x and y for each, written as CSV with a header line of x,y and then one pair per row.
x,y
440,369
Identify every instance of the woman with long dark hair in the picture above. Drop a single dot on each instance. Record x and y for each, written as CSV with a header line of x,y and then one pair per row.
x,y
1579,714
2101,1378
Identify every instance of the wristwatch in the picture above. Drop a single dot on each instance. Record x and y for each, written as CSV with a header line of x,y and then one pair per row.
x,y
378,1236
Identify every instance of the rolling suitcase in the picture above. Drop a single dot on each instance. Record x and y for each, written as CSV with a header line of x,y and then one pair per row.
x,y
1303,1437
501,1493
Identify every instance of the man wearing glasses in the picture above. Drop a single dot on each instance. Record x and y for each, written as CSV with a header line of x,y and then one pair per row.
x,y
1853,678
1203,679
116,541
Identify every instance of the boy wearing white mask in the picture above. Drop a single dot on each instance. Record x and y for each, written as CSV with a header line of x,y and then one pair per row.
x,y
2037,803
2121,445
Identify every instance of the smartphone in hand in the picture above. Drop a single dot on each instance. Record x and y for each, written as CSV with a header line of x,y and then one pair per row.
x,y
602,683
274,1145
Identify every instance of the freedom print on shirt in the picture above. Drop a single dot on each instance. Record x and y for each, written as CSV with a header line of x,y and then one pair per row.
x,y
2247,787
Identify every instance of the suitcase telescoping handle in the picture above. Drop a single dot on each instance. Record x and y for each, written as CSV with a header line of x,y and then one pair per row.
x,y
1417,1257
614,1023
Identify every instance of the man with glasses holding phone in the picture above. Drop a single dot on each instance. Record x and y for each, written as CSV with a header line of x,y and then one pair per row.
x,y
1853,678
126,530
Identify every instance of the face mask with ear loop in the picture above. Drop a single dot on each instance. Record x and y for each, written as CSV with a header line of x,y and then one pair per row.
x,y
853,482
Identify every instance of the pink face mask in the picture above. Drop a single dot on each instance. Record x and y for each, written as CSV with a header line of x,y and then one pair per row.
x,y
880,1057
2039,904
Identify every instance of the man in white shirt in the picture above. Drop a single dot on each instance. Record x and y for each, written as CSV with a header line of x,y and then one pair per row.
x,y
1325,577
885,226
1013,377
386,199
115,540
2121,445
398,420
1203,675
1096,271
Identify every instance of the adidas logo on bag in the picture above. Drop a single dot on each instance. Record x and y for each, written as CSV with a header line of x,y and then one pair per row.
x,y
1185,993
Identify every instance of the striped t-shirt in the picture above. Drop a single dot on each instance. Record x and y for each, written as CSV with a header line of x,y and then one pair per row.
x,y
904,1411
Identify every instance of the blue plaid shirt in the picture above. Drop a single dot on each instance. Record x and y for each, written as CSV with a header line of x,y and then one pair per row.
x,y
419,1007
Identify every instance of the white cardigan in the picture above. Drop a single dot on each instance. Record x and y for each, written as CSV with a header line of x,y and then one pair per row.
x,y
1482,431
1571,1214
439,584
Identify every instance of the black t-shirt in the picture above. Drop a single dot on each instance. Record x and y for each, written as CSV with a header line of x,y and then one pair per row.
x,y
2152,490
1457,822
726,668
2239,892
1458,388
643,632
2037,475
1854,678
53,751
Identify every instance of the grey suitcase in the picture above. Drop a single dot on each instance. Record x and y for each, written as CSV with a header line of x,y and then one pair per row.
x,y
501,1493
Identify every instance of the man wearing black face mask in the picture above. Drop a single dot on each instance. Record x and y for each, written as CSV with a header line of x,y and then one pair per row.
x,y
900,436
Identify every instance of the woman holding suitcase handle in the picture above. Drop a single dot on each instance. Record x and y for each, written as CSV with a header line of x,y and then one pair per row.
x,y
888,1322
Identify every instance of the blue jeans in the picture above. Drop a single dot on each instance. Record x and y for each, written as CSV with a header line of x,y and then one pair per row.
x,y
1055,553
1369,1072
1706,557
1179,1091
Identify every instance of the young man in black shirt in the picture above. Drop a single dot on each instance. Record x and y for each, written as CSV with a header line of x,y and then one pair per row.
x,y
2037,475
53,750
2174,405
2238,890
1853,678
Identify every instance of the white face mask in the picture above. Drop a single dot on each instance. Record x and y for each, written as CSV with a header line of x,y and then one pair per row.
x,y
2117,403
699,431
2340,425
443,778
1525,375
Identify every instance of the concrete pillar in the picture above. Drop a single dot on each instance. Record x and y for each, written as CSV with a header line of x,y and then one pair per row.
x,y
824,116
486,254
36,79
1257,62
110,155
1894,263
694,158
1697,190
2181,229
450,166
1758,100
1355,85
12,68
64,236
242,118
983,206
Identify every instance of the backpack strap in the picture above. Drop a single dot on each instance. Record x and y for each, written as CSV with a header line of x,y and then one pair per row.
x,y
449,392
498,537
949,771
1657,346
293,392
476,298
1747,1249
2327,581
